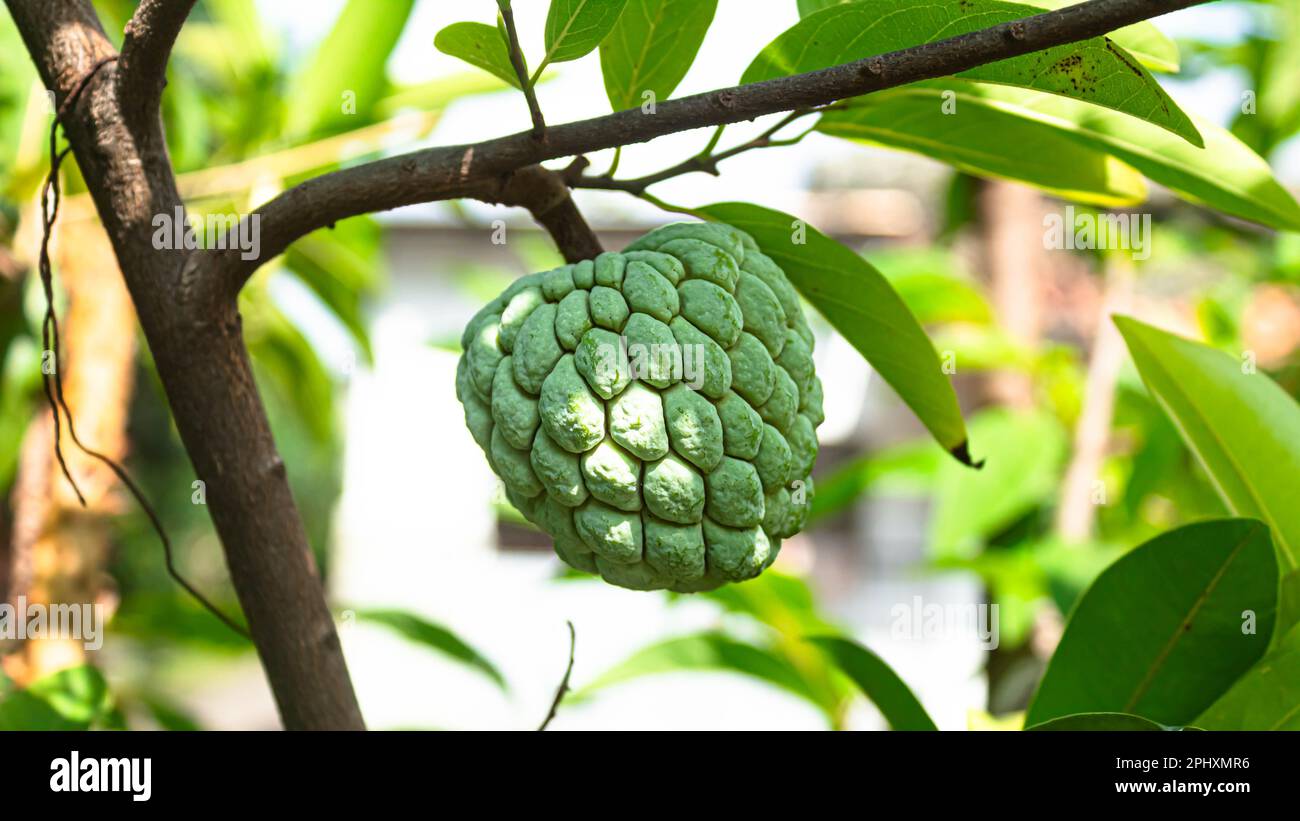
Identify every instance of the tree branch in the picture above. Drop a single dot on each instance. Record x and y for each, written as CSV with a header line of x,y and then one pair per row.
x,y
706,162
447,172
198,351
564,682
150,35
546,196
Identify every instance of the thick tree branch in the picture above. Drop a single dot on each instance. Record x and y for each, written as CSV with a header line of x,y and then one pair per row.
x,y
447,172
199,353
150,35
546,196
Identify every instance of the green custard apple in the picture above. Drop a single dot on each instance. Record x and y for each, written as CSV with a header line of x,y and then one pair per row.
x,y
655,410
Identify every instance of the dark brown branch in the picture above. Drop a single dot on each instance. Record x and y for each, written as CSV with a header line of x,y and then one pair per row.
x,y
150,35
546,196
198,350
521,70
447,172
563,689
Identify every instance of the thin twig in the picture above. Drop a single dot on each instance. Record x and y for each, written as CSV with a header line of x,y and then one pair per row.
x,y
521,69
706,161
564,683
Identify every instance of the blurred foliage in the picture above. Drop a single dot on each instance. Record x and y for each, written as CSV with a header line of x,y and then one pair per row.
x,y
762,632
435,637
244,122
74,699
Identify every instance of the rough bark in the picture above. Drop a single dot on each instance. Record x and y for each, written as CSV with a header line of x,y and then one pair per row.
x,y
201,359
546,196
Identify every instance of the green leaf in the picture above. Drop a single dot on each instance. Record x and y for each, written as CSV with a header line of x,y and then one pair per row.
x,y
933,286
1244,429
1161,633
339,266
1095,71
479,45
710,651
652,47
1101,722
1265,698
859,302
982,139
1226,174
878,682
908,468
1025,452
807,7
436,637
1143,40
349,66
785,603
574,28
73,699
282,354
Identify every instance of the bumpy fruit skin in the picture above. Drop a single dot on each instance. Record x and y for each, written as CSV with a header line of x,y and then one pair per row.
x,y
678,465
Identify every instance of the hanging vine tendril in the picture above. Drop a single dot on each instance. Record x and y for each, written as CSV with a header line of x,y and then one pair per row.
x,y
52,377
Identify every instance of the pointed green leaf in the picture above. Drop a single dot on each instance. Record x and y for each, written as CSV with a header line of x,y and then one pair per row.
x,y
479,45
878,682
1226,175
710,651
859,302
1095,71
574,28
436,637
784,602
985,140
342,83
1243,428
1161,632
1143,40
652,47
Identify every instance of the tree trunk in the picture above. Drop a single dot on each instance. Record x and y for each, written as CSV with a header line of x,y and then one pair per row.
x,y
201,359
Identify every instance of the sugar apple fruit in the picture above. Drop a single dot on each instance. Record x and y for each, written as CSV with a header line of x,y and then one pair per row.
x,y
654,411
